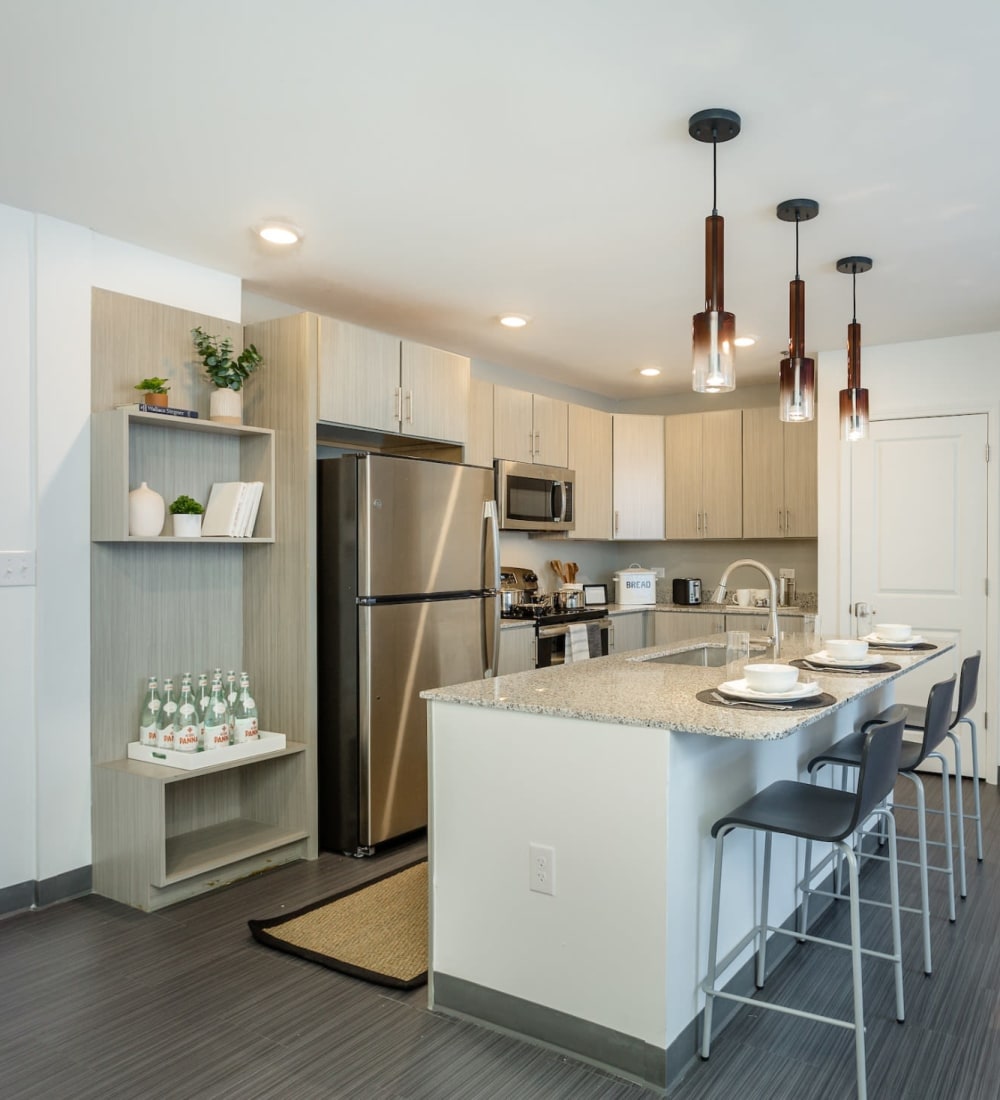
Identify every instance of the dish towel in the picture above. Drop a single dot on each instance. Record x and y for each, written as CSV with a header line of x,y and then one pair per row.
x,y
577,643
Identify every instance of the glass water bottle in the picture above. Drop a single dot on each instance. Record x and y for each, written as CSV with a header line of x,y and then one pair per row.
x,y
245,727
216,727
186,732
165,733
149,722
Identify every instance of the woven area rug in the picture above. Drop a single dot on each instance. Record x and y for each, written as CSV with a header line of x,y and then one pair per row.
x,y
377,931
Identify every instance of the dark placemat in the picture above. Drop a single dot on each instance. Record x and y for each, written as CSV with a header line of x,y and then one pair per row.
x,y
814,702
815,666
902,648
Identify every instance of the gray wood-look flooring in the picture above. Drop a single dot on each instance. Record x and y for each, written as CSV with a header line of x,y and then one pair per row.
x,y
98,1000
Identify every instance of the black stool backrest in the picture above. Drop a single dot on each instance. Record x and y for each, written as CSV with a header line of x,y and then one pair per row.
x,y
879,767
937,716
968,686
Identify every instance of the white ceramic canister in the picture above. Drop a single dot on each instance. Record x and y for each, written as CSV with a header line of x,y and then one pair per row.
x,y
145,511
635,585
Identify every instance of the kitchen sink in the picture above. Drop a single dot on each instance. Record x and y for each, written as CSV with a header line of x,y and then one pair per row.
x,y
703,656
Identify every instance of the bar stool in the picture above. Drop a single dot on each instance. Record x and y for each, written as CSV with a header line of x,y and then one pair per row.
x,y
916,718
821,814
847,753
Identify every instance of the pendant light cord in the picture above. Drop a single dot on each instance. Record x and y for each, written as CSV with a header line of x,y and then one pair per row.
x,y
715,151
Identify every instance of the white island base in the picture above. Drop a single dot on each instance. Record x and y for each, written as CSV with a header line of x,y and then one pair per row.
x,y
608,966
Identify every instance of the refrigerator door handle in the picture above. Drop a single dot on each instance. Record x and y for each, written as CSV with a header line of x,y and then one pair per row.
x,y
491,582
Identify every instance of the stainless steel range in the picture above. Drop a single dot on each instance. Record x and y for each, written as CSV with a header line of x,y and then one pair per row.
x,y
552,621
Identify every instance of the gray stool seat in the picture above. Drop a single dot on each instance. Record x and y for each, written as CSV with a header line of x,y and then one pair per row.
x,y
814,814
848,753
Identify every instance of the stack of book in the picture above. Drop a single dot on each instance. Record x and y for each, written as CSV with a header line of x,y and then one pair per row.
x,y
232,509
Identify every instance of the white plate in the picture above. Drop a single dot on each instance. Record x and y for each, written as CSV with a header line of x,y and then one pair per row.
x,y
877,639
737,689
823,658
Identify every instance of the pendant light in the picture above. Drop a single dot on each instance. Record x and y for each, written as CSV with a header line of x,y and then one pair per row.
x,y
854,400
797,374
714,330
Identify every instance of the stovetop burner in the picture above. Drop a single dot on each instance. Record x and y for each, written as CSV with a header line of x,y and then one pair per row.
x,y
545,613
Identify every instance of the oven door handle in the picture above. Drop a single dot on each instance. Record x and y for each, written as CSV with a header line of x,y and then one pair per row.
x,y
563,628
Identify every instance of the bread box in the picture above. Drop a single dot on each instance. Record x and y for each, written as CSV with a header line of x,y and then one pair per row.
x,y
635,585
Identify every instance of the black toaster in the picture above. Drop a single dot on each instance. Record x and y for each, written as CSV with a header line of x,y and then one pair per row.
x,y
687,590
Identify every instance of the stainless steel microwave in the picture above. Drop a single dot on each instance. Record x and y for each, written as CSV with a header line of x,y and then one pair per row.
x,y
534,498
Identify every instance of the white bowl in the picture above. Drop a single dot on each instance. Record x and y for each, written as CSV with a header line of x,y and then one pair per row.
x,y
770,677
846,649
893,632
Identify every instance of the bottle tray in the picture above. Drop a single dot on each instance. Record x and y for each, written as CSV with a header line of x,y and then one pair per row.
x,y
267,742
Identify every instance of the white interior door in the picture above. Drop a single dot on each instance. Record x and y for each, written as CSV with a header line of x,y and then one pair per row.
x,y
919,552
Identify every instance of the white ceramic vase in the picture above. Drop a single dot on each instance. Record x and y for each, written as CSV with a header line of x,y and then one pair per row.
x,y
226,406
187,526
145,511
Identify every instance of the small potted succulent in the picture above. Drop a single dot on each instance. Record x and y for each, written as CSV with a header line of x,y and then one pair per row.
x,y
154,390
187,517
226,374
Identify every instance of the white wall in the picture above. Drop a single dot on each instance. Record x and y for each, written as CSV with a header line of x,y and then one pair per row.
x,y
47,270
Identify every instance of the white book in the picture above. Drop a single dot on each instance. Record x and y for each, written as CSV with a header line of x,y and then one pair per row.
x,y
222,508
243,511
257,491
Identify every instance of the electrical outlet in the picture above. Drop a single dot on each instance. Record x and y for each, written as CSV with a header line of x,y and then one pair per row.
x,y
17,568
660,571
788,574
541,868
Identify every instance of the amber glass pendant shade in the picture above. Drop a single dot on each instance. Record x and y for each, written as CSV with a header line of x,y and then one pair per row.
x,y
854,399
853,415
714,370
796,390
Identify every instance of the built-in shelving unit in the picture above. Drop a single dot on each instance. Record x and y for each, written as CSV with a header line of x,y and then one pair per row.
x,y
164,605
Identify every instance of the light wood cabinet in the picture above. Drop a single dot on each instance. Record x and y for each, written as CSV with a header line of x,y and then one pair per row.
x,y
517,649
679,626
373,380
479,444
590,456
760,623
629,631
529,427
703,475
779,476
637,443
162,606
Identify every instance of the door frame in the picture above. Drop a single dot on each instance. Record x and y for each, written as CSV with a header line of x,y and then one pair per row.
x,y
833,550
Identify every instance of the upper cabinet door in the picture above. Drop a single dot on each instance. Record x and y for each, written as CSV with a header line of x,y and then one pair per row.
x,y
549,426
763,474
800,480
590,456
722,474
682,476
435,393
513,433
638,476
358,376
479,442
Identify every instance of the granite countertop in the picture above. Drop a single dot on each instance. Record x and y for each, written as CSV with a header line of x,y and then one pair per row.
x,y
630,691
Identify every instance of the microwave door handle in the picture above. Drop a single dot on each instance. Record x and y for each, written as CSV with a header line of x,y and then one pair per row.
x,y
559,500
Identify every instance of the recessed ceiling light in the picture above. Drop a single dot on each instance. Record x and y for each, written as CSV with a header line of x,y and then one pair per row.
x,y
514,320
277,231
745,341
650,372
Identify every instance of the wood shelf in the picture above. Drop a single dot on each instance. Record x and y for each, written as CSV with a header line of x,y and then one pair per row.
x,y
215,846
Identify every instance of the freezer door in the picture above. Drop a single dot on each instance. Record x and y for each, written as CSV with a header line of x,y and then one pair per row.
x,y
407,648
422,527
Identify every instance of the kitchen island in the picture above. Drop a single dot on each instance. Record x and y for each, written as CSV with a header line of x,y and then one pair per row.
x,y
618,770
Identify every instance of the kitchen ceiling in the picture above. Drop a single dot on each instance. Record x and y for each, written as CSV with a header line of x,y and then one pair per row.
x,y
450,161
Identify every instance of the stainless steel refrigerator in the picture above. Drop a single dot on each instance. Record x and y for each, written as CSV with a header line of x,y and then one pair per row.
x,y
408,599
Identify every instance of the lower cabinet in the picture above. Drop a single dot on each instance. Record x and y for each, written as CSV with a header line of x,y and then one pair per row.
x,y
678,626
517,649
761,623
629,631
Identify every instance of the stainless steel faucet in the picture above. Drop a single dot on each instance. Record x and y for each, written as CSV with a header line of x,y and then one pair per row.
x,y
719,595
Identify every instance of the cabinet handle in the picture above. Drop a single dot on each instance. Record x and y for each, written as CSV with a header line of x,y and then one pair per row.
x,y
616,521
779,519
397,407
409,406
538,448
531,444
788,525
697,521
706,523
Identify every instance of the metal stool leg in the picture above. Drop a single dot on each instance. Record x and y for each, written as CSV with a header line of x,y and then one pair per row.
x,y
762,926
925,904
975,785
897,942
859,1009
949,864
959,813
713,949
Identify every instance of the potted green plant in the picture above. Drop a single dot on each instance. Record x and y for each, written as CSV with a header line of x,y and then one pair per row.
x,y
226,374
187,514
154,390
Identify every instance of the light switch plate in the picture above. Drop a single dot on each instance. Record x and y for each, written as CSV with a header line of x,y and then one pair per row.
x,y
17,568
788,574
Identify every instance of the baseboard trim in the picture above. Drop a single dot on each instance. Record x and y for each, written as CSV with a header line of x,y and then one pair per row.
x,y
36,893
